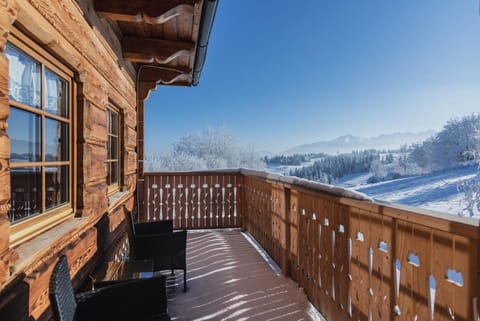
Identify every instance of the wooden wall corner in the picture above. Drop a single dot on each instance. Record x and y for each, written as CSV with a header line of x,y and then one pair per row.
x,y
8,14
7,259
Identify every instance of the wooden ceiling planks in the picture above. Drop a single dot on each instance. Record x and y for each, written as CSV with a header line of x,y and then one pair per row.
x,y
159,34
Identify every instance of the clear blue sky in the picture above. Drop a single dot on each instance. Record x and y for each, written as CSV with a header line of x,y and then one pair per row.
x,y
284,73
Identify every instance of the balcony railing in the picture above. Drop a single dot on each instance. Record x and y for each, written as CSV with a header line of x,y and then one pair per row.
x,y
193,200
356,259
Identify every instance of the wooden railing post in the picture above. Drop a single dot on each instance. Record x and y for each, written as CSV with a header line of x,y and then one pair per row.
x,y
286,249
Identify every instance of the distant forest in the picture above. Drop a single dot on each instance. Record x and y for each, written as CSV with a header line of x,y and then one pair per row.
x,y
456,145
291,160
329,168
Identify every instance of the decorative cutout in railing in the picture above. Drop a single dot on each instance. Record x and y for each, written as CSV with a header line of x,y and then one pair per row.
x,y
367,261
192,200
356,259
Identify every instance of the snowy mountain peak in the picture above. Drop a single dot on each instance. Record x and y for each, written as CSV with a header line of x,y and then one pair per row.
x,y
346,138
348,143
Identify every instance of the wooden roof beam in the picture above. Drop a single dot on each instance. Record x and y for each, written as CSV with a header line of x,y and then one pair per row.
x,y
148,11
158,74
148,51
145,87
167,76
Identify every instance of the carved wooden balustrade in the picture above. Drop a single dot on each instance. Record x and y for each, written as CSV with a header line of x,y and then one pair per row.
x,y
193,200
356,259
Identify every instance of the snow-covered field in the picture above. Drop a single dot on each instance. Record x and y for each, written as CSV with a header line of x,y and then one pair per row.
x,y
435,191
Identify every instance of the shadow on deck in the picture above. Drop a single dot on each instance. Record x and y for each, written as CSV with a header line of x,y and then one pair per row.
x,y
229,280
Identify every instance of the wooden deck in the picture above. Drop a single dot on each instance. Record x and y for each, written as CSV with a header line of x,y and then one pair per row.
x,y
228,279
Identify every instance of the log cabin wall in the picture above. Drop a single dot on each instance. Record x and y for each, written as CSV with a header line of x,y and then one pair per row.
x,y
72,33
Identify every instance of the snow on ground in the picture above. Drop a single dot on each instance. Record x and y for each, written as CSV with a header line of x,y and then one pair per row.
x,y
353,180
285,169
435,191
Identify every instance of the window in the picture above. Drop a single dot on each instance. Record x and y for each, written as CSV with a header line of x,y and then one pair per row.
x,y
40,130
113,149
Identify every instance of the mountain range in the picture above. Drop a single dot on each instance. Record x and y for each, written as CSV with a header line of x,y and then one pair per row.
x,y
349,143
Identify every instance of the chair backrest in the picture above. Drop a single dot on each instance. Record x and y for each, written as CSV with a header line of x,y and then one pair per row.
x,y
130,230
61,293
178,242
177,249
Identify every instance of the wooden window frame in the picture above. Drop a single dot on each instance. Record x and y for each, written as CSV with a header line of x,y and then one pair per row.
x,y
115,186
47,218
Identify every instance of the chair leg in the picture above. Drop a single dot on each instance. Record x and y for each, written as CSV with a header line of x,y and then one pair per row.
x,y
173,272
184,280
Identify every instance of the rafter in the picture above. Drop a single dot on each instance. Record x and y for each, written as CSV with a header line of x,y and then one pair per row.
x,y
145,87
164,75
181,78
146,50
148,11
151,77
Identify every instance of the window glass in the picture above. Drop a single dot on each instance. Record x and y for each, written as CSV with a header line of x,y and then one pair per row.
x,y
24,78
26,197
113,142
56,140
113,175
39,137
25,136
56,179
113,148
55,94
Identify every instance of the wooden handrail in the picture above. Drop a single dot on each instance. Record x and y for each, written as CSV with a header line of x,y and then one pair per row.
x,y
355,257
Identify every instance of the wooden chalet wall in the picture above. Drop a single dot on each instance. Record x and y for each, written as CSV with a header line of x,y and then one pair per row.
x,y
73,33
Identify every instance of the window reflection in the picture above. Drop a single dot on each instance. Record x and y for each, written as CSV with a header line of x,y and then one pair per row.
x,y
24,77
113,144
56,140
26,197
55,94
113,123
40,168
24,130
56,179
113,173
112,147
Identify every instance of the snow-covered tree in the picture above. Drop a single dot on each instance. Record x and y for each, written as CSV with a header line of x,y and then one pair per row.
x,y
471,188
209,149
455,145
421,154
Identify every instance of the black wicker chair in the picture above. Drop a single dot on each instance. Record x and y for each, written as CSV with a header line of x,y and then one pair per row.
x,y
143,299
158,227
149,241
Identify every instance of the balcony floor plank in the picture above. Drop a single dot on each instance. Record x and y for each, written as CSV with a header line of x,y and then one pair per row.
x,y
228,280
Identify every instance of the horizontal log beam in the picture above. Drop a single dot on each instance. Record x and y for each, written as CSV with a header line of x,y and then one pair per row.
x,y
147,11
148,51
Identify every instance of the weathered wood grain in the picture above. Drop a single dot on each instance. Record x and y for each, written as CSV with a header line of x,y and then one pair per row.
x,y
7,256
356,270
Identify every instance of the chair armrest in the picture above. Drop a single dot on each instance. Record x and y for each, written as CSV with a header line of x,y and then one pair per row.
x,y
154,227
128,300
